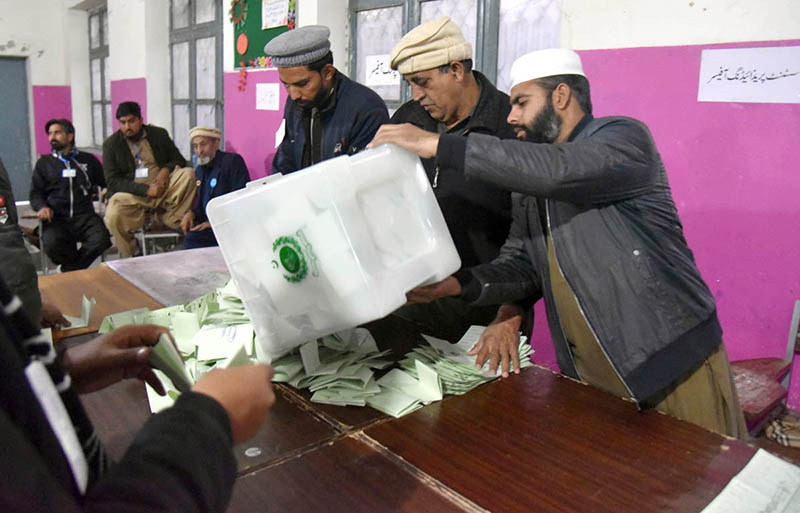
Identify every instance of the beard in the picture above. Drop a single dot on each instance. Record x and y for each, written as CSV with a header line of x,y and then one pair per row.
x,y
545,127
316,101
57,146
202,161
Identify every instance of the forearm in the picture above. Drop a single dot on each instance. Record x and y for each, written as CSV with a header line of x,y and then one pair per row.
x,y
181,460
120,183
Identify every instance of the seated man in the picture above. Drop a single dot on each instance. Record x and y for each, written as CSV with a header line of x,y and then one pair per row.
x,y
326,114
61,194
144,171
218,172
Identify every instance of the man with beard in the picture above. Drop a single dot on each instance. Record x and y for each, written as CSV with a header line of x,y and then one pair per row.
x,y
596,233
218,172
326,114
450,97
145,172
62,186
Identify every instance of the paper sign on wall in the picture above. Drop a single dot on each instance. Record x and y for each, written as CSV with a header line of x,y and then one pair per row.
x,y
753,75
268,96
379,73
274,13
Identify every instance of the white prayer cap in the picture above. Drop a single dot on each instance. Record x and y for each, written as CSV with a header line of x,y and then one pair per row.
x,y
545,63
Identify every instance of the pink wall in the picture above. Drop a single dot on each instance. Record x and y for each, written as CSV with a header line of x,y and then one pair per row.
x,y
49,102
128,90
248,131
735,177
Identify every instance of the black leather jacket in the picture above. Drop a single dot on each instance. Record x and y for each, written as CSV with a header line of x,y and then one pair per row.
x,y
16,266
478,215
617,238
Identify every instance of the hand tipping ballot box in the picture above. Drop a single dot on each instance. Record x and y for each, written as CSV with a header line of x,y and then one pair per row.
x,y
332,246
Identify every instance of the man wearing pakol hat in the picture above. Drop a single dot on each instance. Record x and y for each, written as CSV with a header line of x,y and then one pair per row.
x,y
145,172
217,173
326,114
596,233
450,97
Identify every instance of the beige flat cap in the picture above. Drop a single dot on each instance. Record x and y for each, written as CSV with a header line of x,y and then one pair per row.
x,y
430,45
205,131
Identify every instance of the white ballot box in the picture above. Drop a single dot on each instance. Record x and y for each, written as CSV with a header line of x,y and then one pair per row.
x,y
333,245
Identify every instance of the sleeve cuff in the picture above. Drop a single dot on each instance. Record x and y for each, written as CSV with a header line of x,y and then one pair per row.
x,y
452,151
470,286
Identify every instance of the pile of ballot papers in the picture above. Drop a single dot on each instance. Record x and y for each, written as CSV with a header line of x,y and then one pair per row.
x,y
343,368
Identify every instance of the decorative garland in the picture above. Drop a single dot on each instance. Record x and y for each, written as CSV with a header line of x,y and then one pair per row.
x,y
238,18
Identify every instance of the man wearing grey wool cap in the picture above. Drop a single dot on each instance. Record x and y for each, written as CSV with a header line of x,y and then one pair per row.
x,y
326,114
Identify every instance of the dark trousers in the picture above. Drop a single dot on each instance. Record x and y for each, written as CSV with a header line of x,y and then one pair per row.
x,y
61,237
447,318
200,239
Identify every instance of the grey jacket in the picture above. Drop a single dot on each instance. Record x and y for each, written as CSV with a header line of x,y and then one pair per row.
x,y
618,241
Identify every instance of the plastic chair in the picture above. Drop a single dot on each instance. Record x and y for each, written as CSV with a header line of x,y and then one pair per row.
x,y
763,383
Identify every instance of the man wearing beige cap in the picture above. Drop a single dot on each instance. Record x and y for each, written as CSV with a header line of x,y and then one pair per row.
x,y
326,114
450,97
595,233
217,173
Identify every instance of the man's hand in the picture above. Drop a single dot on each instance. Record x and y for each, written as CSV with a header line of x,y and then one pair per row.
x,y
246,394
187,222
202,226
447,287
162,178
112,357
155,190
52,316
45,214
413,139
500,341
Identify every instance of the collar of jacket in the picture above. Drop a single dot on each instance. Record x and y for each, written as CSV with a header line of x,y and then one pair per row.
x,y
579,127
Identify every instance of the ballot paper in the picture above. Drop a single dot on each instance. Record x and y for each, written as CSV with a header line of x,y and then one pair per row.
x,y
87,305
164,357
454,366
217,342
120,319
767,484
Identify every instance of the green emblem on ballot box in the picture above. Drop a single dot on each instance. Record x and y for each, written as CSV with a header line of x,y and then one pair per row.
x,y
289,256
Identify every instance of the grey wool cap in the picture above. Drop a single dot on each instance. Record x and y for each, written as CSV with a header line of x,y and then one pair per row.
x,y
299,47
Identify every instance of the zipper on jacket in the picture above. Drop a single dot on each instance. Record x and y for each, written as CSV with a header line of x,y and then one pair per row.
x,y
71,198
580,307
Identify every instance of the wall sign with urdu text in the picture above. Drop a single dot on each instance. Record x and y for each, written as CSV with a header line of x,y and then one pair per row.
x,y
754,75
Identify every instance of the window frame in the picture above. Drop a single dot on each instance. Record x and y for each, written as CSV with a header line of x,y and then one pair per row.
x,y
190,34
101,53
486,37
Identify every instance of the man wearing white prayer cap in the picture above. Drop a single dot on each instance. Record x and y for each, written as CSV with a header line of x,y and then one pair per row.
x,y
218,172
596,234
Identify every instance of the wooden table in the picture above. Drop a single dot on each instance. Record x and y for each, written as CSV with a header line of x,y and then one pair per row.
x,y
112,292
532,442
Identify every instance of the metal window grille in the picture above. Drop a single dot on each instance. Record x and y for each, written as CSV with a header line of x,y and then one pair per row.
x,y
507,28
195,40
100,78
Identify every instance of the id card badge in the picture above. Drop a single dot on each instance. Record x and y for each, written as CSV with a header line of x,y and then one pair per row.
x,y
142,172
68,173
